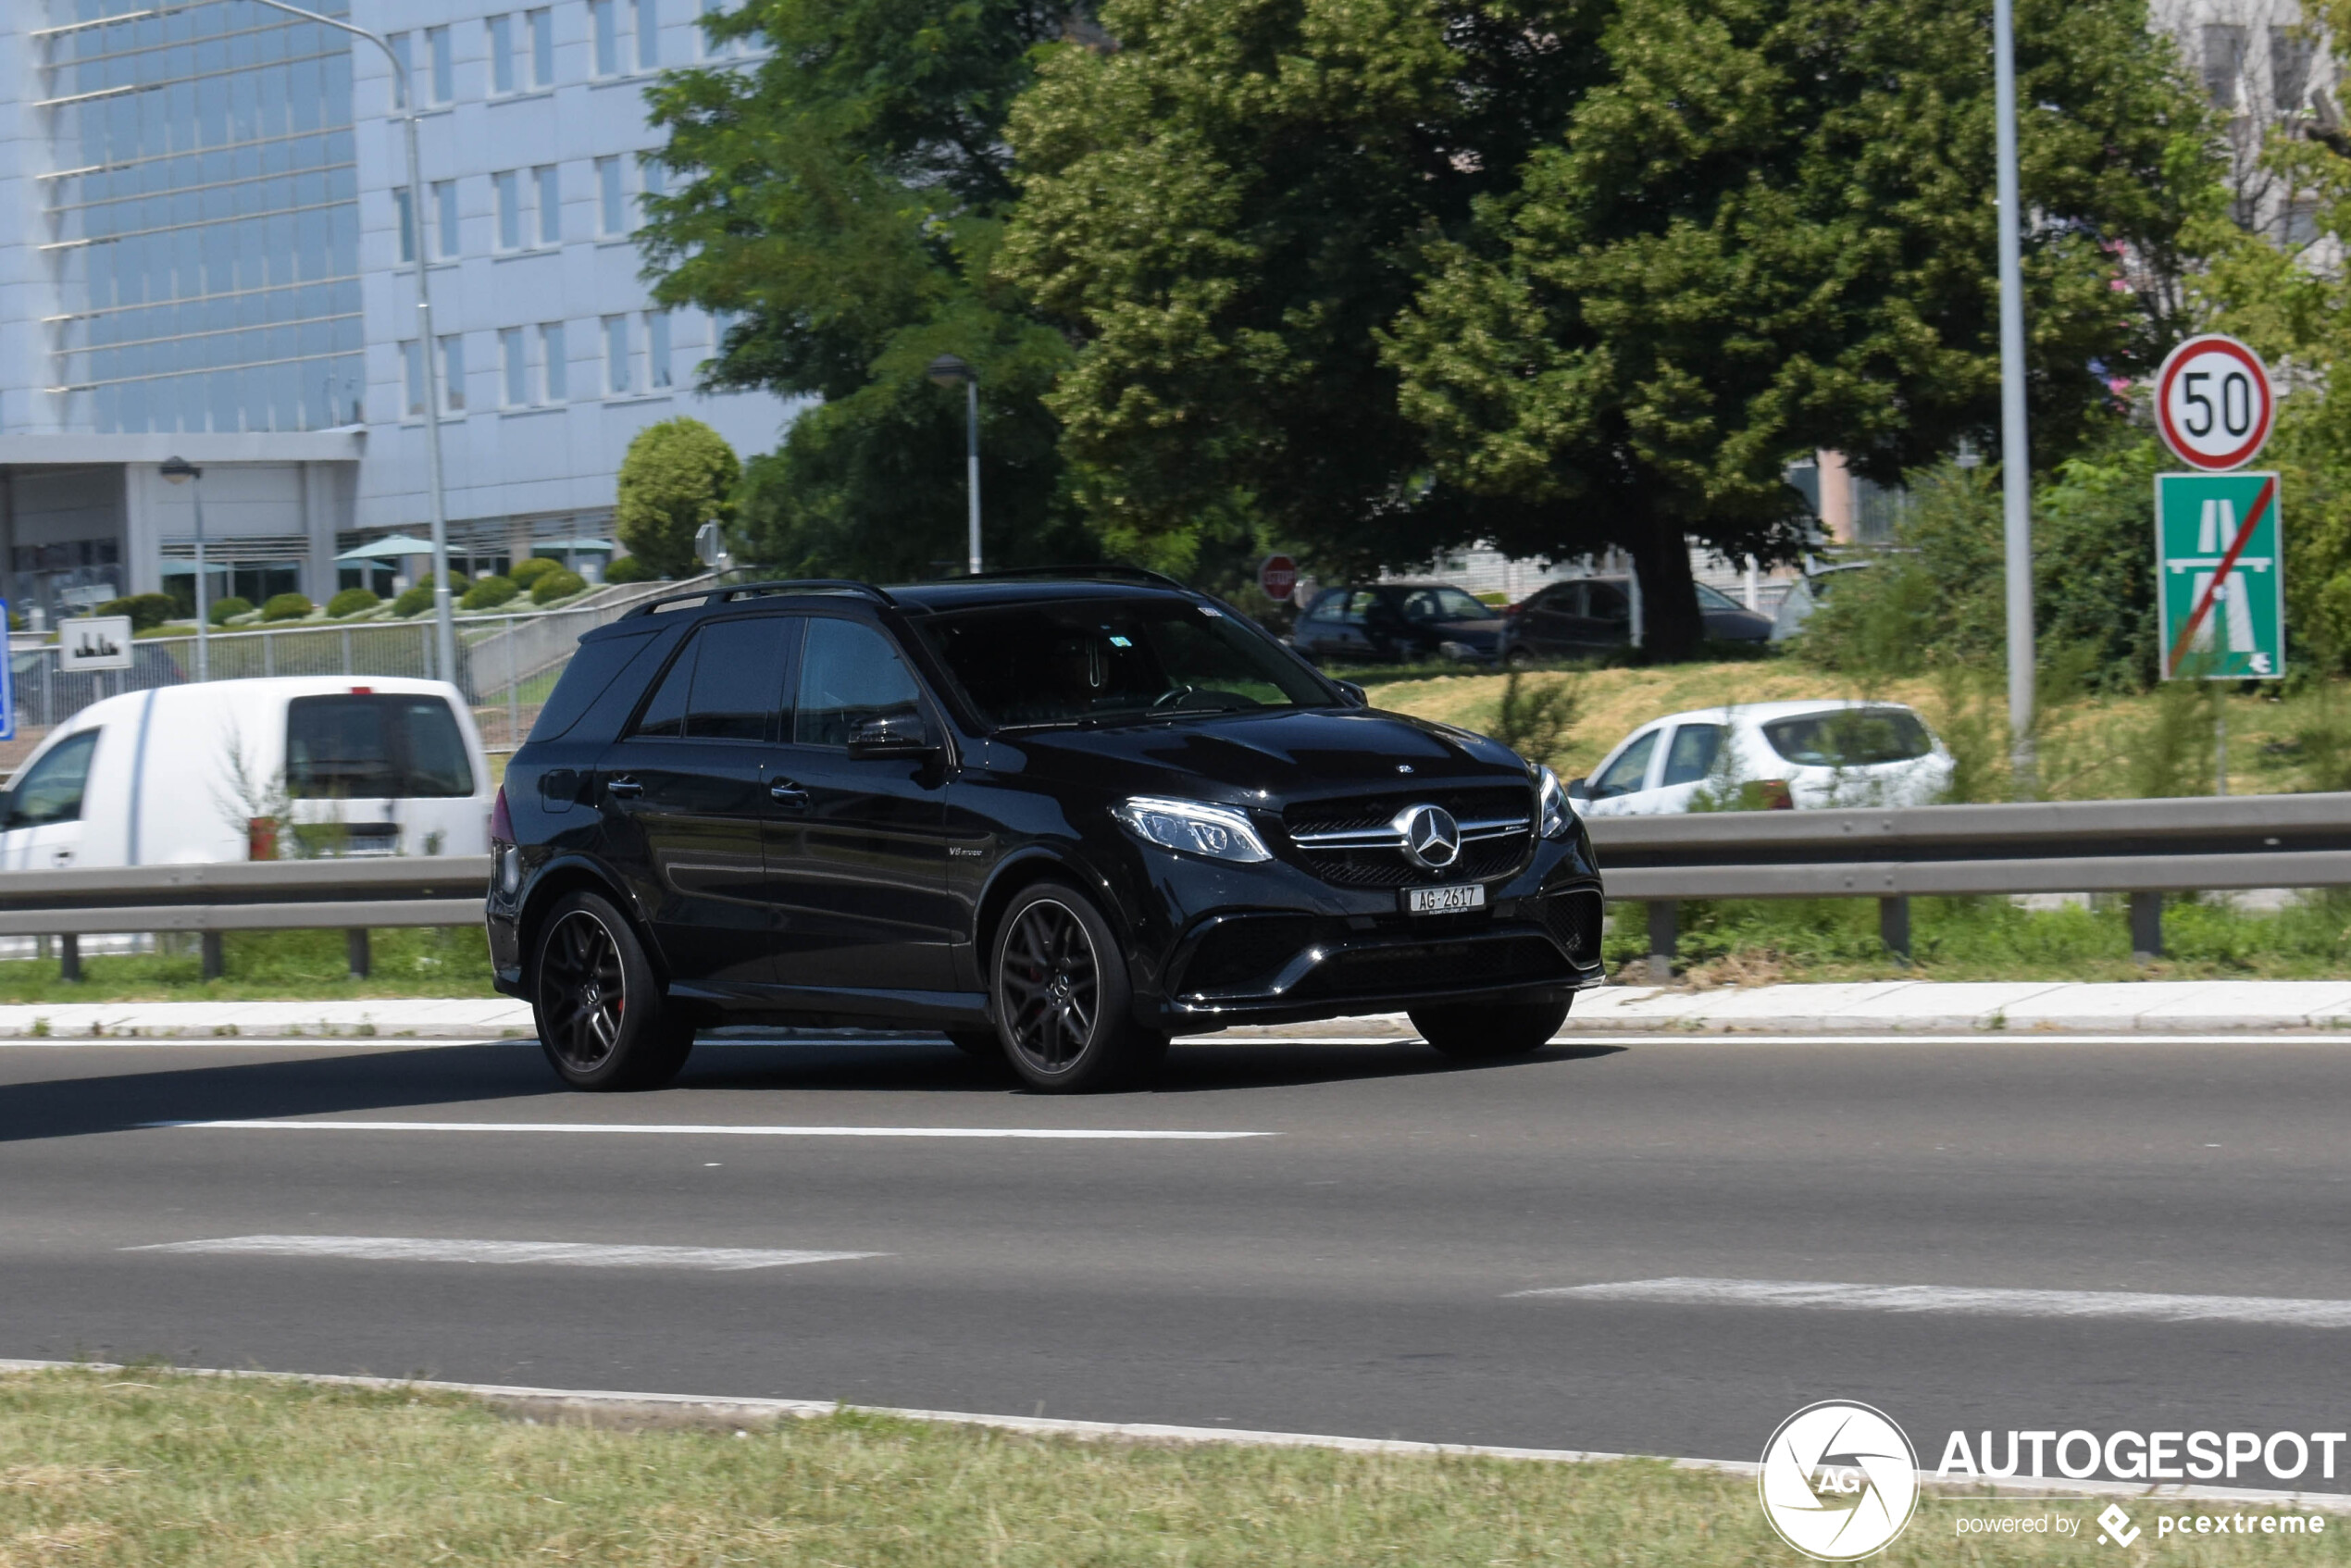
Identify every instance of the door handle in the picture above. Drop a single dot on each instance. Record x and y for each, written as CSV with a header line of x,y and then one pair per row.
x,y
624,787
785,792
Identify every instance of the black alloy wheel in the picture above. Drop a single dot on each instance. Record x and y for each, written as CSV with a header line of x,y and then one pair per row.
x,y
1061,995
602,1020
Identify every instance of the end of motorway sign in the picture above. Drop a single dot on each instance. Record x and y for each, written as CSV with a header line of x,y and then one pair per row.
x,y
2220,576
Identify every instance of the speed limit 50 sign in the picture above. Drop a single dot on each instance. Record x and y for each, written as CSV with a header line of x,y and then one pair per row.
x,y
2213,402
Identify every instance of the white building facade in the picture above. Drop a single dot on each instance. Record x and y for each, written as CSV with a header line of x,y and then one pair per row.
x,y
211,257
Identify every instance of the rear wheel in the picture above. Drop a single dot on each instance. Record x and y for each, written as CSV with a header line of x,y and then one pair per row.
x,y
602,1020
1484,1031
1518,658
1062,996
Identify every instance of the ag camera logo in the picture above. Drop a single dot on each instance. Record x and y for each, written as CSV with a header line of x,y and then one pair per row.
x,y
1839,1481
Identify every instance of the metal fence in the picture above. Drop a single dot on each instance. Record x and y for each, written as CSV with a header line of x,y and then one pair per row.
x,y
506,664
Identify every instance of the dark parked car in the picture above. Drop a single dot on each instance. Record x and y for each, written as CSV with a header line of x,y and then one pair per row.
x,y
1061,820
1392,623
1594,613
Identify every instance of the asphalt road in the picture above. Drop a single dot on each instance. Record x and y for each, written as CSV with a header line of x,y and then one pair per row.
x,y
1351,1272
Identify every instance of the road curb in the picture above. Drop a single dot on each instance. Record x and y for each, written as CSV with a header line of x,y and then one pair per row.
x,y
619,1406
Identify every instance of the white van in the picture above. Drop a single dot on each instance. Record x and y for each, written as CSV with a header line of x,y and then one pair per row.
x,y
354,765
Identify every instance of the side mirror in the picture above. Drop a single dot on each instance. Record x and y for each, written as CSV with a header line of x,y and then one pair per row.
x,y
891,735
1355,693
1579,789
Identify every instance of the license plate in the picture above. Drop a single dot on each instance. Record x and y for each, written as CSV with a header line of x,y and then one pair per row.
x,y
1445,900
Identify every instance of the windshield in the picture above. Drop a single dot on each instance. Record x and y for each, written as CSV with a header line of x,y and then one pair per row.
x,y
1112,661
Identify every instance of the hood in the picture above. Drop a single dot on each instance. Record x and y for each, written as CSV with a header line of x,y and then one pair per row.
x,y
1290,754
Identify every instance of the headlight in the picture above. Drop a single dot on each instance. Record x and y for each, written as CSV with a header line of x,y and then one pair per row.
x,y
1556,817
1192,828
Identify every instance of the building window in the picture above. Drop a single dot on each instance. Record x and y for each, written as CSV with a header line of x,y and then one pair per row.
x,y
552,362
508,184
407,71
607,27
453,374
412,360
657,375
407,224
656,177
2291,49
648,34
514,371
444,212
542,48
610,202
500,31
444,66
2223,62
710,47
616,356
551,205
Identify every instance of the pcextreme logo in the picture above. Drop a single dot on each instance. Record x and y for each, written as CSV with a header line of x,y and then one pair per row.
x,y
1839,1481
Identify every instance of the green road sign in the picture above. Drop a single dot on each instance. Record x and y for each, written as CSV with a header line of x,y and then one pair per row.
x,y
2220,576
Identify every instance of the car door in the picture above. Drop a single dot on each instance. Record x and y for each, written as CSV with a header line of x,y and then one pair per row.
x,y
43,824
1607,620
1618,785
1691,758
857,846
1546,622
685,795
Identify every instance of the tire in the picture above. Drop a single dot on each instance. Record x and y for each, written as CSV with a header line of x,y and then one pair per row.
x,y
594,1039
1058,981
1470,1032
980,1045
1518,658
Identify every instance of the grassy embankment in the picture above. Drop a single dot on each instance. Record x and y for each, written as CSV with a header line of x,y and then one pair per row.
x,y
141,1468
2098,748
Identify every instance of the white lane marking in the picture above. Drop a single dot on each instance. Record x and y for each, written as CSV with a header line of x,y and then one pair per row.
x,y
2282,1311
433,1250
715,1131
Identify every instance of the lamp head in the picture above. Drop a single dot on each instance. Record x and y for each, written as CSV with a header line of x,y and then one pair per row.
x,y
947,371
178,470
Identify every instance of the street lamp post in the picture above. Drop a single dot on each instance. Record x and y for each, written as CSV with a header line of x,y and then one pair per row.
x,y
444,626
946,371
2016,462
178,470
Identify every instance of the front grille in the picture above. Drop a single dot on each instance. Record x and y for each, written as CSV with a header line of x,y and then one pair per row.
x,y
1481,860
1575,919
1439,966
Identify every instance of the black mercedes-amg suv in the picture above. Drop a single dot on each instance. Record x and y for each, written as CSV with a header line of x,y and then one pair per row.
x,y
1060,818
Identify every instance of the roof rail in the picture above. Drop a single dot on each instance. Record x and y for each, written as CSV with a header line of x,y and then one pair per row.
x,y
1116,570
726,592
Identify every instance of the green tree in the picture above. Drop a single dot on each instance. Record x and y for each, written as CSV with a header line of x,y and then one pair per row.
x,y
1224,211
678,475
841,203
1769,231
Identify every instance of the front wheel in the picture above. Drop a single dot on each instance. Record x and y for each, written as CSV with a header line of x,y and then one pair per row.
x,y
1062,997
602,1019
1519,658
1476,1032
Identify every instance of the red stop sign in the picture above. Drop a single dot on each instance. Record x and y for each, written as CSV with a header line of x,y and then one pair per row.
x,y
1277,575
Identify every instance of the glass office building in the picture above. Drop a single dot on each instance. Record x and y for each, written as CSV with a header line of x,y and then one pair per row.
x,y
215,260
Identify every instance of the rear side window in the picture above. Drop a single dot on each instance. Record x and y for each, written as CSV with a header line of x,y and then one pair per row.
x,y
593,672
726,684
51,788
1849,737
371,746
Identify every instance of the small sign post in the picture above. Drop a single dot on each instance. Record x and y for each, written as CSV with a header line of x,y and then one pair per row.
x,y
1277,575
7,686
94,642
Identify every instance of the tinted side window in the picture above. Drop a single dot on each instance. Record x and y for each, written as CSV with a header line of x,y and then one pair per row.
x,y
591,672
1608,603
665,715
375,746
738,678
849,673
51,788
437,766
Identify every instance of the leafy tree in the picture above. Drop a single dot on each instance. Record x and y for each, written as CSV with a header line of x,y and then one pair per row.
x,y
1223,211
841,202
678,475
1769,231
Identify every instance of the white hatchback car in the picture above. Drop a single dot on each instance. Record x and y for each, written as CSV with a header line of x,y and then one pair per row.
x,y
1771,755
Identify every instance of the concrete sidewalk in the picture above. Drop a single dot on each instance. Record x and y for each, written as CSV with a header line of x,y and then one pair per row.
x,y
1924,1007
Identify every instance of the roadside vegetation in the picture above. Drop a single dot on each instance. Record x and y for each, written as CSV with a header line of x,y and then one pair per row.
x,y
143,1467
266,966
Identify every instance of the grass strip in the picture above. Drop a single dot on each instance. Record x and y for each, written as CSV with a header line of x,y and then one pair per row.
x,y
268,966
140,1466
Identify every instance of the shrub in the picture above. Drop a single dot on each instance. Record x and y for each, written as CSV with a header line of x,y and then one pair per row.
x,y
146,610
220,610
524,573
287,607
1537,721
412,601
677,475
630,568
557,585
489,593
351,601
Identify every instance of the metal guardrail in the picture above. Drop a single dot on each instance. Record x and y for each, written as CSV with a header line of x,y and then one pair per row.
x,y
271,895
2141,848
